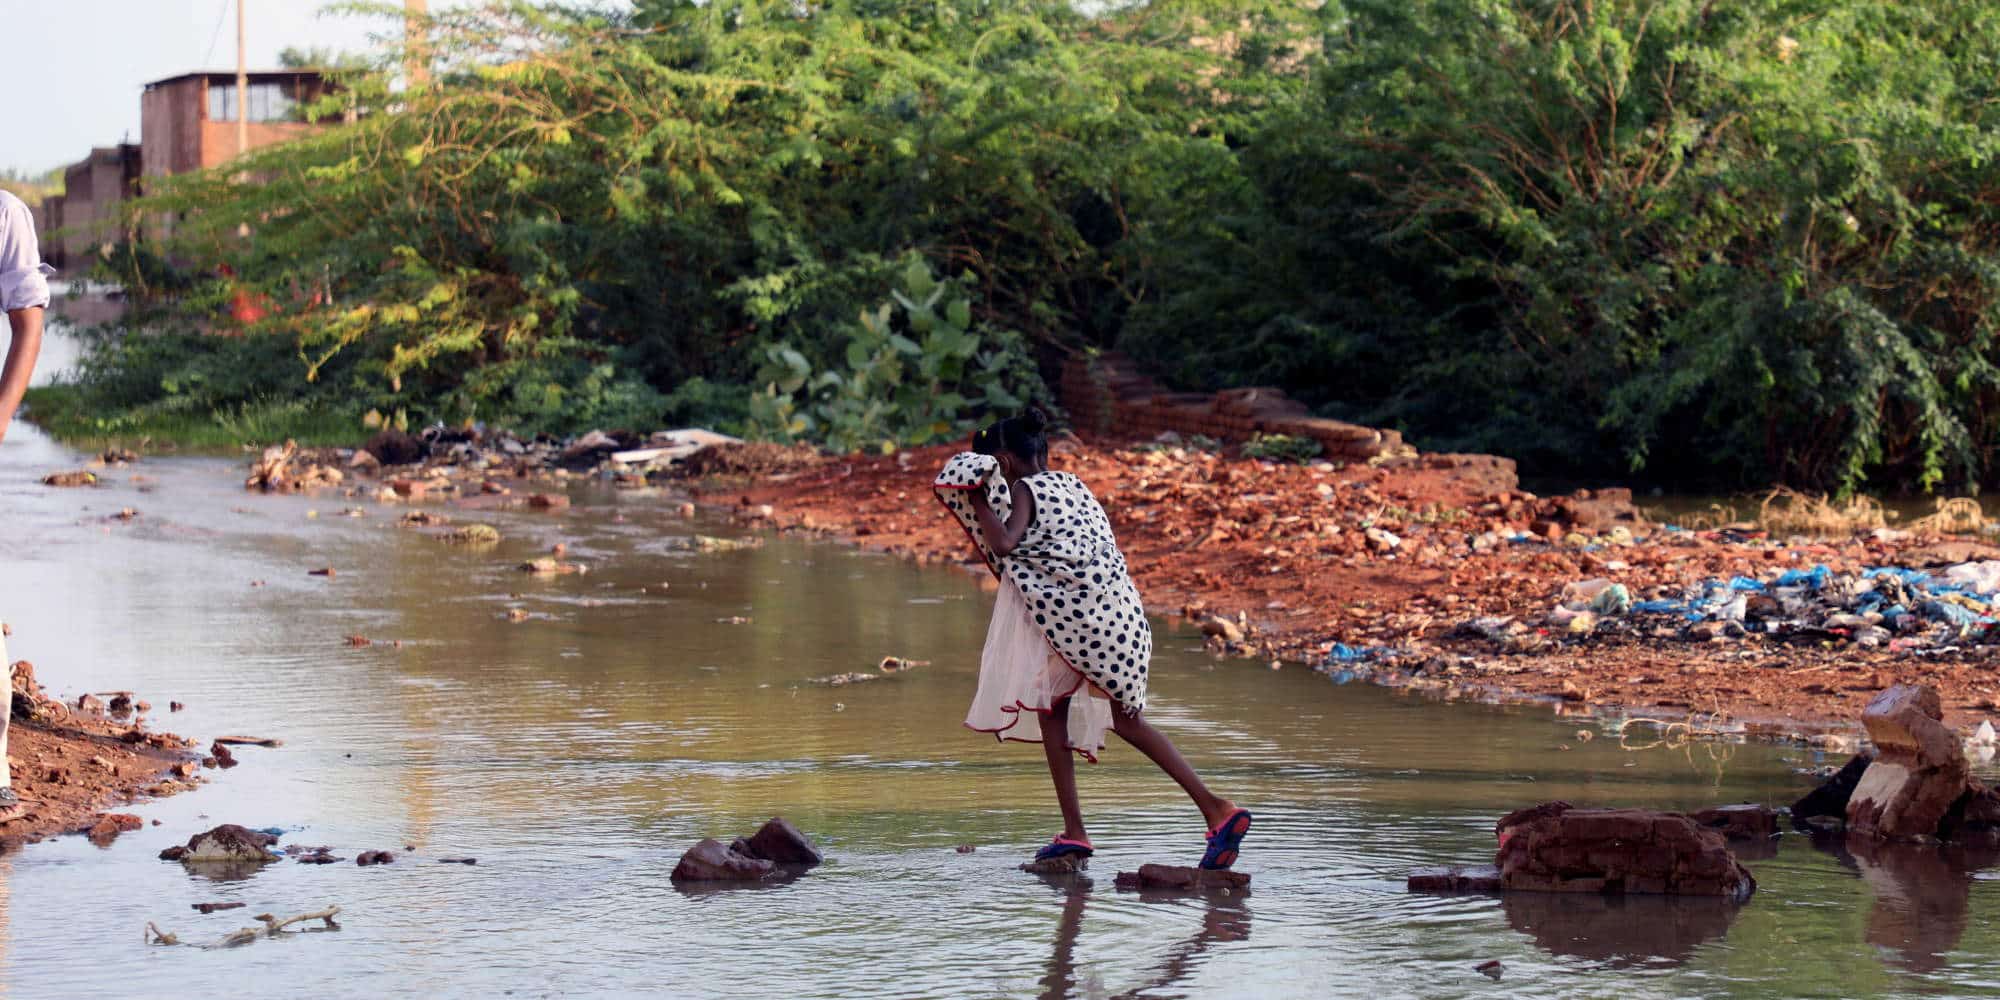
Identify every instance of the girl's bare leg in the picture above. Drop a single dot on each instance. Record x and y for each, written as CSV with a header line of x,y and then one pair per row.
x,y
1135,730
1062,768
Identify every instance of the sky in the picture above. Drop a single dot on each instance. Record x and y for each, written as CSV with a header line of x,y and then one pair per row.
x,y
72,70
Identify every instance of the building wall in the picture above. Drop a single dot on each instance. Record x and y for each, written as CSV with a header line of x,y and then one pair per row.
x,y
94,190
48,218
179,136
170,126
218,139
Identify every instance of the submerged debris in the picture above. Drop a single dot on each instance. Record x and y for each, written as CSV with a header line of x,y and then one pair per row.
x,y
273,925
79,477
474,534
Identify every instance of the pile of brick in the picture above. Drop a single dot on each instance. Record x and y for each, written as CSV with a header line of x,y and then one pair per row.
x,y
1107,394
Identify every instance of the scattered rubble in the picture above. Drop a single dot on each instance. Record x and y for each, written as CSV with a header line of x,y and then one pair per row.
x,y
283,469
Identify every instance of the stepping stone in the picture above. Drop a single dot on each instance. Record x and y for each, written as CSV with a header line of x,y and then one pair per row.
x,y
1178,877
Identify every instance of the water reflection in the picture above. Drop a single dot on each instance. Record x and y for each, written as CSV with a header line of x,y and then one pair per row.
x,y
1619,931
578,754
1225,918
1923,894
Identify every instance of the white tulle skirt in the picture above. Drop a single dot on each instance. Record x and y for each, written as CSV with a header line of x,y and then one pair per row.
x,y
1021,678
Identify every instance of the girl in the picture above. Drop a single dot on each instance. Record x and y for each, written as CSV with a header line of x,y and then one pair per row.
x,y
1067,652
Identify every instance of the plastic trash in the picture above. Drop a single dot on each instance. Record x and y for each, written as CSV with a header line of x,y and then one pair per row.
x,y
1612,600
1660,607
1746,585
1949,613
1584,593
1814,578
1342,652
1912,577
1976,577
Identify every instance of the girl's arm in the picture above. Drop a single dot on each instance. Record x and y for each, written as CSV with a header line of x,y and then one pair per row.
x,y
1001,536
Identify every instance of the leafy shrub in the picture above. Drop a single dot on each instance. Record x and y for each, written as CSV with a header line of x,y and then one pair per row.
x,y
915,370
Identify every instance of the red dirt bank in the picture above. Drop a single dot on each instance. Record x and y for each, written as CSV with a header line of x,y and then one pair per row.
x,y
1300,555
70,763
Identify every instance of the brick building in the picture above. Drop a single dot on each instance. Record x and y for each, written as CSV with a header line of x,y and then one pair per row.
x,y
186,123
85,216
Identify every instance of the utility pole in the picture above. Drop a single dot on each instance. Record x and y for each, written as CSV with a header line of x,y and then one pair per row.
x,y
417,54
242,87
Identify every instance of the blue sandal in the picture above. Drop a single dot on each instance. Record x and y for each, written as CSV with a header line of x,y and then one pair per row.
x,y
1063,847
1225,840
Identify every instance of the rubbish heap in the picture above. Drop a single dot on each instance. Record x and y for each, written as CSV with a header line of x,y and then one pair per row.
x,y
1888,607
1893,608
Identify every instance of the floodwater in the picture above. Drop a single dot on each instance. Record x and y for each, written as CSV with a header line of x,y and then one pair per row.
x,y
576,754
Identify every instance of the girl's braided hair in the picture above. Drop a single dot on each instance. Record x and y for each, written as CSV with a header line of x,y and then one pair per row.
x,y
1023,436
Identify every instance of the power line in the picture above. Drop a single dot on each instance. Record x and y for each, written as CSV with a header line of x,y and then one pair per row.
x,y
214,36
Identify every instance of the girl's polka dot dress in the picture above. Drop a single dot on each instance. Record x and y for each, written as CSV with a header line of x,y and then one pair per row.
x,y
1069,571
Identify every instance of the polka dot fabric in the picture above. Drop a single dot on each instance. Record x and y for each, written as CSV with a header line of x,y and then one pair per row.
x,y
1070,570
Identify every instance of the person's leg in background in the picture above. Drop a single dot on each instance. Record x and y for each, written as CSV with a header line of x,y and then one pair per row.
x,y
11,806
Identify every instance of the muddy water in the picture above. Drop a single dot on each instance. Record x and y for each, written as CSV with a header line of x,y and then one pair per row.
x,y
577,753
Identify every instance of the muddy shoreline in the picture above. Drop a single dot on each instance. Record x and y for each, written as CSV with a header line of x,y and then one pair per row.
x,y
1372,573
73,760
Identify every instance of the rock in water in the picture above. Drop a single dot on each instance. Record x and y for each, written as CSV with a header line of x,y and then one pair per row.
x,y
1457,878
782,842
110,825
1830,798
1178,877
1618,850
1919,769
1062,864
712,861
230,842
1740,822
